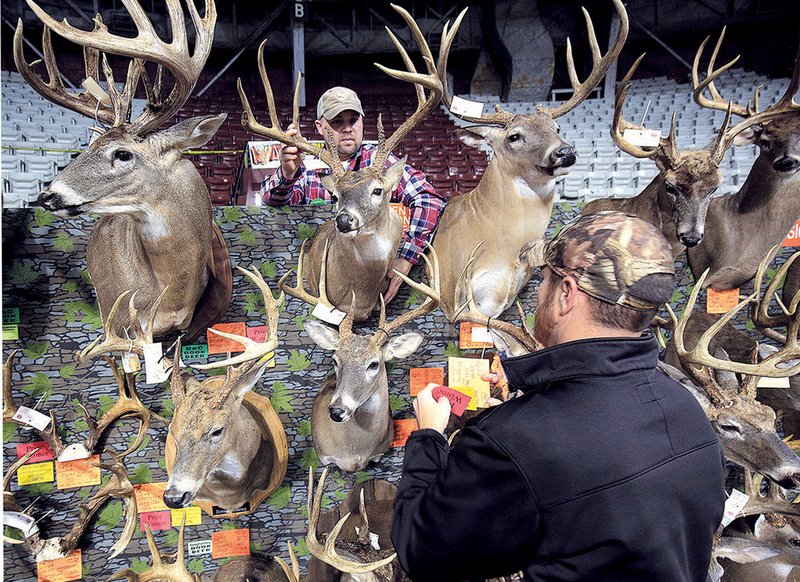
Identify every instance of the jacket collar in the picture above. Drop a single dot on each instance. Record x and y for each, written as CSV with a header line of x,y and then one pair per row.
x,y
589,357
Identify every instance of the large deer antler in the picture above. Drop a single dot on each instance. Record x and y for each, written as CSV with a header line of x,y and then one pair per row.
x,y
298,290
146,46
752,116
771,503
773,366
468,311
172,572
760,309
118,487
327,552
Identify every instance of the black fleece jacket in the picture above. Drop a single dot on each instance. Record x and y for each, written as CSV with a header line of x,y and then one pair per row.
x,y
604,469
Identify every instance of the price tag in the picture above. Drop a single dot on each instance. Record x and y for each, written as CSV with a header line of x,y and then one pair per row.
x,y
464,374
37,473
10,315
472,336
642,137
258,333
96,91
131,363
461,106
373,539
773,383
220,345
194,352
154,365
230,542
80,473
150,497
421,377
328,314
733,505
157,520
63,569
74,452
194,516
32,417
21,521
458,400
45,453
402,430
404,212
792,240
199,548
721,301
10,332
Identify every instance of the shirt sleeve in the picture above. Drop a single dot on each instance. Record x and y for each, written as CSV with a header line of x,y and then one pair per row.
x,y
426,206
279,191
452,516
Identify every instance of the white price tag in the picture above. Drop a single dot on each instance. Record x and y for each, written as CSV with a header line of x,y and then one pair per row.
x,y
131,363
154,365
328,314
74,452
32,417
461,106
96,91
199,548
773,383
21,521
733,505
373,539
482,335
642,137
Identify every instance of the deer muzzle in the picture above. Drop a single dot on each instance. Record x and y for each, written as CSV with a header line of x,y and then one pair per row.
x,y
338,414
346,222
176,498
56,202
562,157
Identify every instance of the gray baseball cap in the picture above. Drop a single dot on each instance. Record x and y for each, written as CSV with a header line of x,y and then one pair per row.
x,y
338,99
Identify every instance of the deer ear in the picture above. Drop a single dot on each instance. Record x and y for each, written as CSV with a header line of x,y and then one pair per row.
x,y
477,135
394,174
725,378
747,137
402,346
325,337
507,345
329,183
250,378
191,133
744,551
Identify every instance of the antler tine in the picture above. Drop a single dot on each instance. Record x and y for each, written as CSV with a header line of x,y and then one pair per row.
x,y
254,353
121,102
722,142
600,65
760,313
363,532
275,131
620,124
293,574
430,81
716,101
160,570
773,502
9,405
298,290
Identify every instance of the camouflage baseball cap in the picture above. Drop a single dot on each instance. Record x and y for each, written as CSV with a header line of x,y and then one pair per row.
x,y
338,99
608,253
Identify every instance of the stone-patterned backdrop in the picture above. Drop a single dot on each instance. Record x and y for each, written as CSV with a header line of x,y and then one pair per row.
x,y
44,275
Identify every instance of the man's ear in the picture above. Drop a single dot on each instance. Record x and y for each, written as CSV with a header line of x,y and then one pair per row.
x,y
318,125
567,295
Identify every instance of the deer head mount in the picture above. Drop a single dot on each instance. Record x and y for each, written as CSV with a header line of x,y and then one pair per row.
x,y
221,452
157,229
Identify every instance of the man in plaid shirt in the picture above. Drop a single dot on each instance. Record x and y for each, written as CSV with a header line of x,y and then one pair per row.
x,y
339,111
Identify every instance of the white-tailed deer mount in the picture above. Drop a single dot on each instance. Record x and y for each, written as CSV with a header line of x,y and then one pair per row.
x,y
362,240
511,205
768,203
156,231
226,445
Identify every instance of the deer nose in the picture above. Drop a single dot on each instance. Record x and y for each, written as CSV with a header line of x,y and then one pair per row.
x,y
177,499
690,240
345,222
786,164
336,414
564,156
48,199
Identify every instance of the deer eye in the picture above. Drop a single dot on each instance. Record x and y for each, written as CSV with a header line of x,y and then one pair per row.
x,y
123,156
373,366
334,198
216,433
730,428
377,192
670,188
795,542
514,137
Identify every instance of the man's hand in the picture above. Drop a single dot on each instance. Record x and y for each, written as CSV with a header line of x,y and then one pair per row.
x,y
290,157
404,267
430,413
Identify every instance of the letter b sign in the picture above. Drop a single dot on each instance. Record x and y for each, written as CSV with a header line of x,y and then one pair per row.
x,y
299,11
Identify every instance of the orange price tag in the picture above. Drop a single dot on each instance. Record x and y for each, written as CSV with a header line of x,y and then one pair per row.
x,y
721,301
473,336
402,430
421,377
77,473
230,542
61,570
150,497
793,238
220,345
404,212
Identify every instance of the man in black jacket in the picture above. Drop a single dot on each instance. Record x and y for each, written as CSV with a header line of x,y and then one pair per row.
x,y
603,469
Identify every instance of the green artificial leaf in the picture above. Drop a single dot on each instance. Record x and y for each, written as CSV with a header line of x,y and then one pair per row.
x,y
300,548
85,277
85,492
255,546
39,385
269,269
81,425
91,316
70,287
304,428
452,351
63,242
195,566
300,321
140,565
280,498
67,372
39,488
71,311
396,403
106,402
530,319
305,231
286,209
9,430
144,444
749,325
362,476
21,274
297,362
232,524
167,408
13,533
556,229
223,561
280,399
414,298
141,474
162,463
36,350
231,213
171,539
85,570
339,495
304,511
110,516
43,218
253,302
677,298
247,236
309,459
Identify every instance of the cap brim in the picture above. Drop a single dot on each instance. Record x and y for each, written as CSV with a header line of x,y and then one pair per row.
x,y
336,110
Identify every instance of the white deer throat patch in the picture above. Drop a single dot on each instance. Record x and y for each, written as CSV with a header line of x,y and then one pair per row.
x,y
524,190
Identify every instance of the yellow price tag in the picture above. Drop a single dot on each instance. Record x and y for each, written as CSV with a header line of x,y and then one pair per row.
x,y
36,473
194,516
